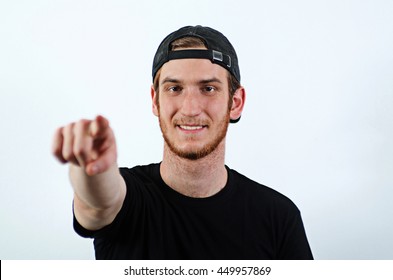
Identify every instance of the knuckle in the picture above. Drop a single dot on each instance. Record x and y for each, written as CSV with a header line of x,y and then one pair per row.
x,y
81,123
57,143
67,154
70,125
67,130
58,131
81,128
56,151
57,136
79,151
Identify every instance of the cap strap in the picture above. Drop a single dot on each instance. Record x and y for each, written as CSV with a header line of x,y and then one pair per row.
x,y
213,55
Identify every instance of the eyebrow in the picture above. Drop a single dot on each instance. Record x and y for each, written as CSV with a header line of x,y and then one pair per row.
x,y
202,82
169,80
212,80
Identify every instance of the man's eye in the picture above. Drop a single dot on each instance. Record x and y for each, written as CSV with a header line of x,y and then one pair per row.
x,y
209,89
174,89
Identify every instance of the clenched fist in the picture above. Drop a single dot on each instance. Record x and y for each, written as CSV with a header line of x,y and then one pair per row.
x,y
89,144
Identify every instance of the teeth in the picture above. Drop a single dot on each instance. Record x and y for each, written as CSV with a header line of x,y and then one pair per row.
x,y
186,127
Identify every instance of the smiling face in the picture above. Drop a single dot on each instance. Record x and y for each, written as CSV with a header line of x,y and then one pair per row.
x,y
193,106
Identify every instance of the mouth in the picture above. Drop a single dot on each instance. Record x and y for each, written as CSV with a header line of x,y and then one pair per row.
x,y
191,128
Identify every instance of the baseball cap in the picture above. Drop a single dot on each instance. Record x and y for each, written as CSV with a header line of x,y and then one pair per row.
x,y
219,50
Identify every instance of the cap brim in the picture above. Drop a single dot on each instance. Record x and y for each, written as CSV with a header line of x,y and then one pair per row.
x,y
235,121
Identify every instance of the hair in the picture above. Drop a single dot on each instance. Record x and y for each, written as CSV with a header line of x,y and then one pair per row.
x,y
195,42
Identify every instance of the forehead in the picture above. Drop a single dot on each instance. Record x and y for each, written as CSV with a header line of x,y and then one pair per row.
x,y
192,69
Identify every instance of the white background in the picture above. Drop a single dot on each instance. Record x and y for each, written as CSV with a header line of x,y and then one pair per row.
x,y
317,125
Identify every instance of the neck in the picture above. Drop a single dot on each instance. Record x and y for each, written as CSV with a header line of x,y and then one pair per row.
x,y
195,178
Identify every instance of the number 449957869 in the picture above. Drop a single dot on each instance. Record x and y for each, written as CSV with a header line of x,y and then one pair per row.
x,y
245,270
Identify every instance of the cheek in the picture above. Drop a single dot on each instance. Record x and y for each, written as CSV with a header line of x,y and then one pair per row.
x,y
166,109
219,107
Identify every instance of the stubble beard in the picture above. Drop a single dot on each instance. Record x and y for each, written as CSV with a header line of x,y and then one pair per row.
x,y
196,153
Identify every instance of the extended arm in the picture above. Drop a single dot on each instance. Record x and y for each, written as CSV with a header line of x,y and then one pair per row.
x,y
99,189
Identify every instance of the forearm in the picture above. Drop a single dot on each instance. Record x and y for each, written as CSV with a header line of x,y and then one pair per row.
x,y
98,198
98,191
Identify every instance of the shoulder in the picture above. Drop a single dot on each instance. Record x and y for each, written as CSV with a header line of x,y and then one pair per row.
x,y
140,172
142,179
261,195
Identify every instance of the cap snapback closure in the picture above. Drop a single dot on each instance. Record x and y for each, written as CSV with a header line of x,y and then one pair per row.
x,y
219,56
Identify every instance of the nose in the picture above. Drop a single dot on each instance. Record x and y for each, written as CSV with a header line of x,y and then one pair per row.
x,y
191,103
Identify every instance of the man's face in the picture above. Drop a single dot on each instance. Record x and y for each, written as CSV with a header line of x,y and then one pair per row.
x,y
193,106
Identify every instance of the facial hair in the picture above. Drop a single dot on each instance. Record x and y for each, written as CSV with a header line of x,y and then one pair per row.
x,y
197,153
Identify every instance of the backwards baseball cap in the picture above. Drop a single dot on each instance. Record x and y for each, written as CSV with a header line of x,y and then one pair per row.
x,y
219,50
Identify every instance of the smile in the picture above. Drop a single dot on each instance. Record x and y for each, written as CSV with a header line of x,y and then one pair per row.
x,y
191,127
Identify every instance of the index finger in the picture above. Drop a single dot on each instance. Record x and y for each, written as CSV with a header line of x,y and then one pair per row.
x,y
99,126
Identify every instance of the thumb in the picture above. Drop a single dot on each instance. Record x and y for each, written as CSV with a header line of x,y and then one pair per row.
x,y
103,162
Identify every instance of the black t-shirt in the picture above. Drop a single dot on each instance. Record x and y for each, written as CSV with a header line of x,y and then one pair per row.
x,y
245,220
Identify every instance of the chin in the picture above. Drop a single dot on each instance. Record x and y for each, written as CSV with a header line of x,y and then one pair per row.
x,y
194,153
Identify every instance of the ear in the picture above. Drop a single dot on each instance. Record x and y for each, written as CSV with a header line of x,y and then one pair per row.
x,y
239,99
154,99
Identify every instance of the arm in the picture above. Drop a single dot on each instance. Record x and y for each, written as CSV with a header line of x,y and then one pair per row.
x,y
99,189
295,245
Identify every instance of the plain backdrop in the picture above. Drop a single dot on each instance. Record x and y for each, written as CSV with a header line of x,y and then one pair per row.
x,y
317,124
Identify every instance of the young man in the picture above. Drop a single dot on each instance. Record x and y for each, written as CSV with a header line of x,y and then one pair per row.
x,y
191,205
